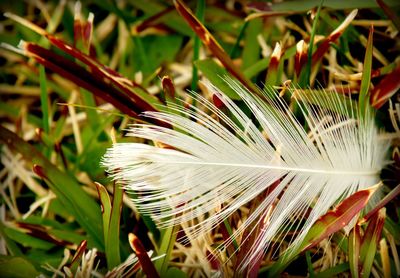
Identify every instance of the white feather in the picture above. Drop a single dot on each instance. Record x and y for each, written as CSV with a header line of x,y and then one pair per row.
x,y
229,161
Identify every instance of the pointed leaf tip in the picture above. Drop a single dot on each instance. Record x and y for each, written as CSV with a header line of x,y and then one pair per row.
x,y
212,44
38,170
168,86
80,250
385,89
370,242
366,74
389,197
337,218
144,260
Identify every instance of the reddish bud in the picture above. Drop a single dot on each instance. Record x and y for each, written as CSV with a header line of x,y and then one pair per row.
x,y
38,170
218,102
301,56
168,86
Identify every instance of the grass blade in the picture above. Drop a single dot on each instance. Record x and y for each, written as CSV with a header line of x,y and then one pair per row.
x,y
306,5
370,242
44,100
333,271
12,247
214,72
385,89
251,50
390,13
168,239
213,45
113,242
79,204
9,264
105,203
338,218
366,75
329,223
144,260
103,84
354,250
304,80
201,5
235,47
389,197
334,36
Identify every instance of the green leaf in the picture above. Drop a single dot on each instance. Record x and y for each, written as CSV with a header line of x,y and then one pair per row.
x,y
67,189
27,240
112,243
337,218
236,46
89,163
201,5
311,272
370,242
168,239
174,272
66,235
305,5
306,73
391,14
333,271
16,267
88,100
44,100
212,44
60,231
151,7
329,223
322,98
251,49
148,221
213,72
58,208
105,209
40,258
111,222
38,220
354,250
12,247
93,150
366,76
257,67
230,232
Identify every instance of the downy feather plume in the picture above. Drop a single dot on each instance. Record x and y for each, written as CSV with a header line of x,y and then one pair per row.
x,y
226,161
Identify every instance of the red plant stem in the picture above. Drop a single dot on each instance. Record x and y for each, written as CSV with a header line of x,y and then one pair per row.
x,y
382,203
130,104
144,260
